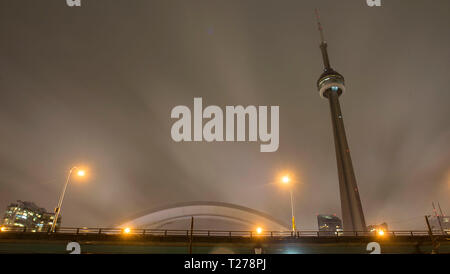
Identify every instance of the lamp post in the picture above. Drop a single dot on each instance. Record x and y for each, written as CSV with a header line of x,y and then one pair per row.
x,y
286,180
80,173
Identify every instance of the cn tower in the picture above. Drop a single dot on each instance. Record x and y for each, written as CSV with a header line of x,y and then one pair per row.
x,y
331,86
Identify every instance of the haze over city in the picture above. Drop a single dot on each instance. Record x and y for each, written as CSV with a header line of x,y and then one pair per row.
x,y
94,86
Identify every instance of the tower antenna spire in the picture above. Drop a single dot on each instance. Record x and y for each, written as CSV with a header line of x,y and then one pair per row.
x,y
322,40
323,44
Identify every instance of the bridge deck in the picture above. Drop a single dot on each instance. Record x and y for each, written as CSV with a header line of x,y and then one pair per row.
x,y
230,242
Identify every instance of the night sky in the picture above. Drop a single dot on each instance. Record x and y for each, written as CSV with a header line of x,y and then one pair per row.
x,y
95,86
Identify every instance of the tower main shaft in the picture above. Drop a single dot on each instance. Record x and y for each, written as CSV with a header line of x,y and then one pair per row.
x,y
352,212
331,85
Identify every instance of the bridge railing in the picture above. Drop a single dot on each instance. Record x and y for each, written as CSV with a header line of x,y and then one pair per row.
x,y
220,233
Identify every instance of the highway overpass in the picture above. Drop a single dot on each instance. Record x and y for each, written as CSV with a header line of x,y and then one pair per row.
x,y
146,241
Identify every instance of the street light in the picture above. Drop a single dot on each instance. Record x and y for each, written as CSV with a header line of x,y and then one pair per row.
x,y
80,173
259,230
287,180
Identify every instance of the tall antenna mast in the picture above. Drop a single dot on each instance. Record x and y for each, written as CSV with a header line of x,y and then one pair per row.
x,y
323,43
440,210
434,209
438,218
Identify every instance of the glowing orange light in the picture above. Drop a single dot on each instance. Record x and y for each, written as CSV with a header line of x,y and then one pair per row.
x,y
285,179
3,229
127,230
81,173
259,230
380,232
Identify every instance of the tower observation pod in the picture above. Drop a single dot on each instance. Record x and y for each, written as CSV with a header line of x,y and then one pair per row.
x,y
331,86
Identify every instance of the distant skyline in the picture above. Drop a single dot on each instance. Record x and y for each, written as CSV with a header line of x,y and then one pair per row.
x,y
95,86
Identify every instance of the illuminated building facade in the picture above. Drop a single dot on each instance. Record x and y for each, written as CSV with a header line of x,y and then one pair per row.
x,y
329,224
383,226
29,216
